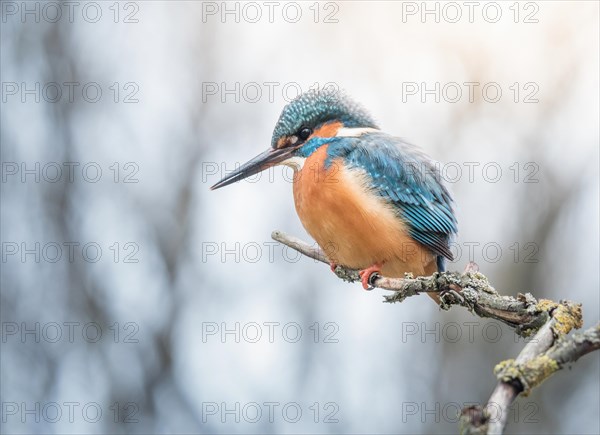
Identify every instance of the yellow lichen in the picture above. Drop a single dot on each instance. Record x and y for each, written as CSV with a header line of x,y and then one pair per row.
x,y
546,305
529,374
503,366
567,315
538,370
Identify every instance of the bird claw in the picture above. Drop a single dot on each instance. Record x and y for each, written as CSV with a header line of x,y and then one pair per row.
x,y
368,276
471,267
333,266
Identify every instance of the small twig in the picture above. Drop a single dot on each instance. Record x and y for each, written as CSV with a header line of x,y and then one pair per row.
x,y
300,246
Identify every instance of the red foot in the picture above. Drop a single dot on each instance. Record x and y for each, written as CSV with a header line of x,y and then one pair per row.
x,y
333,266
365,274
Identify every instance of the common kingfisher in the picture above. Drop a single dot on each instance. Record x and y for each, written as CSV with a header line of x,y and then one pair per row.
x,y
371,201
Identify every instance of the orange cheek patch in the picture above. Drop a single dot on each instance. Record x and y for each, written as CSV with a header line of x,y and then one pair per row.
x,y
281,142
327,130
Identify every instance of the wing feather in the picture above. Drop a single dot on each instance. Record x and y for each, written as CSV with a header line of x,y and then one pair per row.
x,y
409,180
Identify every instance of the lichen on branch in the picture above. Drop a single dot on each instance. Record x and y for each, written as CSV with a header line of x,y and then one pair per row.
x,y
533,372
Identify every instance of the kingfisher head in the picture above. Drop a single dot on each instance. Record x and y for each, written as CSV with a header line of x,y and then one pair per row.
x,y
305,124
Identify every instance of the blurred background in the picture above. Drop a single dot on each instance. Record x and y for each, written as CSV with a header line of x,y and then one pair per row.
x,y
135,300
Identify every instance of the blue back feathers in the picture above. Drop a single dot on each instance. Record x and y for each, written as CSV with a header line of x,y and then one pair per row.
x,y
409,180
317,107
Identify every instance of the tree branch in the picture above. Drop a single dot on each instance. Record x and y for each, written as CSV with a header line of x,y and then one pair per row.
x,y
548,351
469,289
539,360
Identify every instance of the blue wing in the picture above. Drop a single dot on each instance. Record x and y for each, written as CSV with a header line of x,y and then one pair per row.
x,y
409,180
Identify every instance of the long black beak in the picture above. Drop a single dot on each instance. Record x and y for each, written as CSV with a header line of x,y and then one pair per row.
x,y
265,160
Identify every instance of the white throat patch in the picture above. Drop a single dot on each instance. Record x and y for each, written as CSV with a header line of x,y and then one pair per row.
x,y
354,132
296,162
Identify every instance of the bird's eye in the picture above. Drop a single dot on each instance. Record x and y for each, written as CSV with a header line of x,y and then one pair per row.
x,y
304,133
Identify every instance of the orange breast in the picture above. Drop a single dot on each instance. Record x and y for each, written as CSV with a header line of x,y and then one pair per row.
x,y
353,225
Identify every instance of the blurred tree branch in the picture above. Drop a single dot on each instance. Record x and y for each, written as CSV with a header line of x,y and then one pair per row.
x,y
547,352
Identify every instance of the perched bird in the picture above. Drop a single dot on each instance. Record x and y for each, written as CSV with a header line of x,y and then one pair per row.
x,y
372,201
